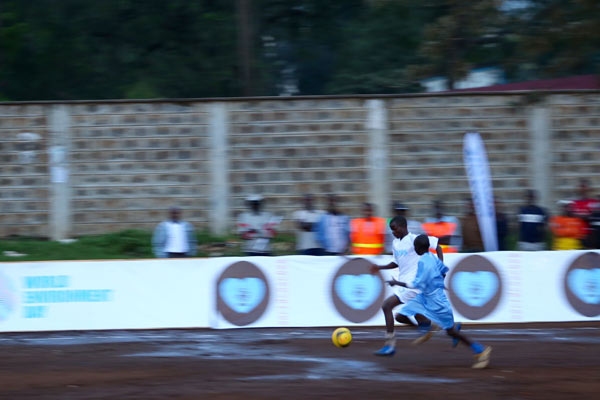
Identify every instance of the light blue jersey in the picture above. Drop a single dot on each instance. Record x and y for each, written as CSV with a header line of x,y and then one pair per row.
x,y
432,301
430,274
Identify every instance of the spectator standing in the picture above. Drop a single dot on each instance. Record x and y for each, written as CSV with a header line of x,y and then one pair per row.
x,y
333,230
568,230
256,228
174,238
445,228
532,225
583,207
595,225
472,242
501,226
367,234
401,210
306,222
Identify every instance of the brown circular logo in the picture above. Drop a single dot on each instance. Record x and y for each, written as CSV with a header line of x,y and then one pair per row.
x,y
475,287
356,293
242,293
582,284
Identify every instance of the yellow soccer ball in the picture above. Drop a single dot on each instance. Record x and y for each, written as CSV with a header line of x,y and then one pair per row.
x,y
341,337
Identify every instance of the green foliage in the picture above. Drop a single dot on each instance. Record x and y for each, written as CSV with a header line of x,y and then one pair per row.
x,y
127,244
377,49
124,244
73,49
461,36
117,49
557,38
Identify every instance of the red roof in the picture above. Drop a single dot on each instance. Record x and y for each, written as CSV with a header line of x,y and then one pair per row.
x,y
572,82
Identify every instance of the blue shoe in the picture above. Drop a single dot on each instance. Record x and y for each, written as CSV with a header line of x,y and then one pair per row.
x,y
386,351
455,341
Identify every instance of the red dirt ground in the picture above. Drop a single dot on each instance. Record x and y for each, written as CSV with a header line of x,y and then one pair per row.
x,y
541,361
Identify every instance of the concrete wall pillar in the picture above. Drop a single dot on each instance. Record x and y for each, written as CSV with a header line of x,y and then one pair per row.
x,y
540,154
377,130
59,143
219,167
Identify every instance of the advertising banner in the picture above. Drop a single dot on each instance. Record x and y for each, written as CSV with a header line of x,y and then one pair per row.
x,y
290,291
299,291
541,286
85,295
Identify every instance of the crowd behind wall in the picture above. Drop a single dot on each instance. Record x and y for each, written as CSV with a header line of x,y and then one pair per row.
x,y
77,168
329,231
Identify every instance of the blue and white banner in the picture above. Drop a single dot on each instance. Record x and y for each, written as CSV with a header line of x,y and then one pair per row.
x,y
86,295
290,291
478,172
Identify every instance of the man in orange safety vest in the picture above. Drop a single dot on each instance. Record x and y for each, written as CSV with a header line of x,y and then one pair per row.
x,y
367,234
567,229
445,228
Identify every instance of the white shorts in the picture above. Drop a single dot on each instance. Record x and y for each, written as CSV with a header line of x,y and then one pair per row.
x,y
405,294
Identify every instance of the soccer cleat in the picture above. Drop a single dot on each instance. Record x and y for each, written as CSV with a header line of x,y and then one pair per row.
x,y
427,334
423,338
482,359
386,350
457,328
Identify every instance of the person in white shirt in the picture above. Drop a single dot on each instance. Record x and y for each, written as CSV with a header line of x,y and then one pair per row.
x,y
405,260
257,228
174,238
333,229
306,236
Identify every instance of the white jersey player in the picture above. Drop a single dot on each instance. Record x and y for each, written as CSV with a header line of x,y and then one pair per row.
x,y
406,261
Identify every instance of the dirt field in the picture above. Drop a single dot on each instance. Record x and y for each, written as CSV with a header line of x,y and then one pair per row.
x,y
542,361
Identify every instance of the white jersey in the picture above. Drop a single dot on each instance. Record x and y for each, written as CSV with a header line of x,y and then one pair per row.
x,y
406,257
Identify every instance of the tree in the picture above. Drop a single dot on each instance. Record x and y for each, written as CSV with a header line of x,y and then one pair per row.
x,y
558,38
301,40
118,49
464,34
73,49
378,47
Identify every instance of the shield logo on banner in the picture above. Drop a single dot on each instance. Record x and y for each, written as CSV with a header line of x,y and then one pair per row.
x,y
356,293
242,293
475,287
582,284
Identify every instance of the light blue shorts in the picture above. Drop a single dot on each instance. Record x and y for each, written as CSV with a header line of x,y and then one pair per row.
x,y
434,306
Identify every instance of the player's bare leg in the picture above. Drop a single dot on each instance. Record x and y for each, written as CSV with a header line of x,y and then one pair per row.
x,y
481,353
388,306
454,333
403,319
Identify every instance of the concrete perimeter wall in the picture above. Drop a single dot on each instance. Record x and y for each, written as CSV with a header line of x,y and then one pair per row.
x,y
75,168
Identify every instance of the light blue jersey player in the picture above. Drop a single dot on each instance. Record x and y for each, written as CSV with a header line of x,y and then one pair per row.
x,y
432,301
404,262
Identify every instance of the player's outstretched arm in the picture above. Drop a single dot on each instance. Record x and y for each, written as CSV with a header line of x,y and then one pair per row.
x,y
376,268
393,282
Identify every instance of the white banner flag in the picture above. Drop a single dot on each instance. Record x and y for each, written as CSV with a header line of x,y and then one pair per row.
x,y
478,172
